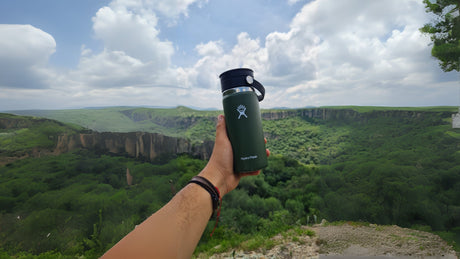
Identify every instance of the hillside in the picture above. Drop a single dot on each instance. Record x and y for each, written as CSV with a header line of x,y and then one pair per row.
x,y
309,129
178,122
22,137
385,166
196,125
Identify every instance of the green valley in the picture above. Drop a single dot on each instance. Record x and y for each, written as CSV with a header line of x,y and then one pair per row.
x,y
366,164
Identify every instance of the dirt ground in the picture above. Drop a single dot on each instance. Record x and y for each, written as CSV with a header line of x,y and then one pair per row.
x,y
349,241
374,240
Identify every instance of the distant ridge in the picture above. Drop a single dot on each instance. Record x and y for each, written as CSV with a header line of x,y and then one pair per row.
x,y
195,108
288,108
26,111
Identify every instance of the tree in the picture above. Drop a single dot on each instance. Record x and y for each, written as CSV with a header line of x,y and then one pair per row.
x,y
444,32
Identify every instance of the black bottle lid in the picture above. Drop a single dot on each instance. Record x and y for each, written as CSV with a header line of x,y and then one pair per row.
x,y
241,77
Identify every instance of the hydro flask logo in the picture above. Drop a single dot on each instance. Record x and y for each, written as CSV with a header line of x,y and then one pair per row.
x,y
241,109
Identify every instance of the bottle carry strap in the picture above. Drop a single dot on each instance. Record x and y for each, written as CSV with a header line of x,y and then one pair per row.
x,y
259,88
240,77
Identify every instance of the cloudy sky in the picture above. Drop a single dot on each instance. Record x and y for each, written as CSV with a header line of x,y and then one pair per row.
x,y
72,54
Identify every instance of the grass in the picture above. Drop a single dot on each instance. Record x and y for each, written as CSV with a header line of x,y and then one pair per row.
x,y
251,242
351,223
176,122
258,242
27,133
451,237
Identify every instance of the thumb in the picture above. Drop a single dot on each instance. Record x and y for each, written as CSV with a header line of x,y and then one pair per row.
x,y
221,129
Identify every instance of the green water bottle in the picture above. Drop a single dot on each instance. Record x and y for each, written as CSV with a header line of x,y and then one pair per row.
x,y
242,116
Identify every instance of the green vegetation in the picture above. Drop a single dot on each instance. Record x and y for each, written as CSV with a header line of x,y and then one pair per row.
x,y
444,31
177,122
19,134
385,166
363,109
80,203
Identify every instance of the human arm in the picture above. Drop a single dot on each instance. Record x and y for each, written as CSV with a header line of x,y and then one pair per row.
x,y
175,230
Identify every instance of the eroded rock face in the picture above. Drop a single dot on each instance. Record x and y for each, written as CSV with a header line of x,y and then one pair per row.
x,y
456,120
343,114
134,144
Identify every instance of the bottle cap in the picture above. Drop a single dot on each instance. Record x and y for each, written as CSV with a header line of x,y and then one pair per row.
x,y
241,77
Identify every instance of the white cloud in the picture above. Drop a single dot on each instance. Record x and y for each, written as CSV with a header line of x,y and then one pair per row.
x,y
134,54
135,33
204,74
346,52
291,2
337,51
171,9
110,69
24,54
334,53
212,48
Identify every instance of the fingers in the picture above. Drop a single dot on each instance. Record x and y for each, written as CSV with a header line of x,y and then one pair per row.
x,y
221,143
221,131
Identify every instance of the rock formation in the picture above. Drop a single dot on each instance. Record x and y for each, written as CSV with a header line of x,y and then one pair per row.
x,y
140,145
347,114
456,120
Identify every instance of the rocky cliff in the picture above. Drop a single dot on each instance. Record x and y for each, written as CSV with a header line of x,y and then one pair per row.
x,y
134,144
348,114
58,138
150,145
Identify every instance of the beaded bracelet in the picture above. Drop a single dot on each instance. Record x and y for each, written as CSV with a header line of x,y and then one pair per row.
x,y
215,196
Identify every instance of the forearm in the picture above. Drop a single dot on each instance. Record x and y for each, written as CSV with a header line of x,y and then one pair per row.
x,y
172,232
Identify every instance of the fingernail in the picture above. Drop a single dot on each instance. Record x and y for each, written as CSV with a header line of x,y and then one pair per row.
x,y
220,117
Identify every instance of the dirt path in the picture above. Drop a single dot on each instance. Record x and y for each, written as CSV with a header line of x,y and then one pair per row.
x,y
348,241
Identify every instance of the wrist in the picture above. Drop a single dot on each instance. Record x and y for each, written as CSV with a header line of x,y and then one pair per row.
x,y
211,189
216,197
216,178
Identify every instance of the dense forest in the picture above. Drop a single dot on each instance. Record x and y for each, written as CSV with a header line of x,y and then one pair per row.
x,y
380,165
